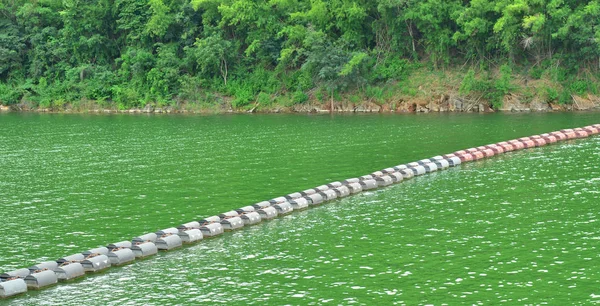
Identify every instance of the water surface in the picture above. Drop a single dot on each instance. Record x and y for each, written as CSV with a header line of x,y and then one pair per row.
x,y
516,229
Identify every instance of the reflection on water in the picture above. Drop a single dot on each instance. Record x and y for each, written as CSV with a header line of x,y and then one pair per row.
x,y
520,228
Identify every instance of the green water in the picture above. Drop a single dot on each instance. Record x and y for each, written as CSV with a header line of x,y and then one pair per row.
x,y
521,228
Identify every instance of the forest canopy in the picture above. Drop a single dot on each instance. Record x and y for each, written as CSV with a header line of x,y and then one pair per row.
x,y
134,52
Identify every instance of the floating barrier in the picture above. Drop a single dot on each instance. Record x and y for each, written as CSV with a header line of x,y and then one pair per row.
x,y
97,259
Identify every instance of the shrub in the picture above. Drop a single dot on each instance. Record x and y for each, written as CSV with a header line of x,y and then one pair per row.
x,y
299,97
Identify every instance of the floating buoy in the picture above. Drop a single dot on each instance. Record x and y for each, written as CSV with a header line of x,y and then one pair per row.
x,y
212,219
308,192
245,209
261,205
396,177
233,223
146,237
20,273
283,208
388,170
293,196
69,271
144,249
478,155
335,185
315,199
193,225
170,241
497,149
442,164
366,177
41,279
278,200
581,134
12,287
507,147
418,170
400,167
407,173
95,263
385,180
71,258
251,218
431,167
48,265
190,235
215,228
229,214
351,181
559,135
328,195
342,191
539,142
102,250
488,152
368,184
300,203
355,188
549,138
465,157
267,213
453,161
424,162
171,230
517,145
377,174
122,244
591,130
121,256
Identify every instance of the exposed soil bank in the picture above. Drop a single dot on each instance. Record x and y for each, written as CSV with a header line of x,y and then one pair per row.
x,y
441,103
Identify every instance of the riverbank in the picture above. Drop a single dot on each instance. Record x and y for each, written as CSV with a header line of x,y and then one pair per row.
x,y
422,91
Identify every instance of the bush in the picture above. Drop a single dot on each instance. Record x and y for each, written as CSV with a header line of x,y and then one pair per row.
x,y
565,97
579,87
299,97
263,99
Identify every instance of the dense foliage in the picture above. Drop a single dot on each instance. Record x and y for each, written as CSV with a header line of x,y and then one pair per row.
x,y
134,52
